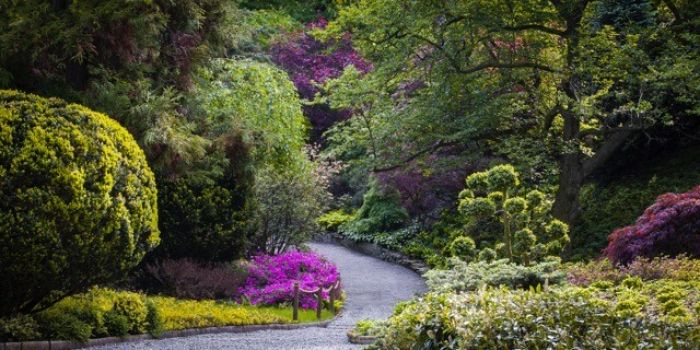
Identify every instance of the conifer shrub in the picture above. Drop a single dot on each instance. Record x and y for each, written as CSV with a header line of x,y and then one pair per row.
x,y
77,201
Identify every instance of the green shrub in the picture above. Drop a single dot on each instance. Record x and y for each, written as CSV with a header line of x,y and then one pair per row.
x,y
61,326
520,222
368,328
154,318
560,318
134,310
381,211
19,328
331,220
463,276
116,323
201,221
77,201
462,247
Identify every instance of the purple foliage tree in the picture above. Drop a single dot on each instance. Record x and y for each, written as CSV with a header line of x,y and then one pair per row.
x,y
309,62
671,226
425,188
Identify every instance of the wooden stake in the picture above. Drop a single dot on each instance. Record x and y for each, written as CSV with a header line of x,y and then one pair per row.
x,y
295,303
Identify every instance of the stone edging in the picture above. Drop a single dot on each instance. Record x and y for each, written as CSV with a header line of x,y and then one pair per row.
x,y
360,339
375,251
69,344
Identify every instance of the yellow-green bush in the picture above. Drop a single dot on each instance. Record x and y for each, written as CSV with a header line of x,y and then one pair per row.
x,y
104,312
331,220
77,200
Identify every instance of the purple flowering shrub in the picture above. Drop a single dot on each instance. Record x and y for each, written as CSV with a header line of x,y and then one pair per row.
x,y
271,278
671,227
309,62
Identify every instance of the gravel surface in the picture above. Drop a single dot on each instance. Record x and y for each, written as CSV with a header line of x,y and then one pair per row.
x,y
372,286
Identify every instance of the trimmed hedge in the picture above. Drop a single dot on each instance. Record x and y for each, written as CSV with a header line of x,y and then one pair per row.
x,y
77,201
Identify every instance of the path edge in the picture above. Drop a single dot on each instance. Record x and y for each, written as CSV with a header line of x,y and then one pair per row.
x,y
374,251
71,344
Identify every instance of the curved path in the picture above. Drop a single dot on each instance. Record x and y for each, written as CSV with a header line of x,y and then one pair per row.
x,y
372,286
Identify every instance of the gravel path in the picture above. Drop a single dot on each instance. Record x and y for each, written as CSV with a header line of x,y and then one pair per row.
x,y
372,286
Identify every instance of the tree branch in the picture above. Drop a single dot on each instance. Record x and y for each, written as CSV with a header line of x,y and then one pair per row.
x,y
537,27
608,148
509,65
436,146
676,14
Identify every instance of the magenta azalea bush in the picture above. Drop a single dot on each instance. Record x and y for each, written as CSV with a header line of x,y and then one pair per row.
x,y
271,278
669,227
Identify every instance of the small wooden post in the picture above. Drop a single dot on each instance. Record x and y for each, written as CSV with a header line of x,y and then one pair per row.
x,y
331,301
295,303
319,303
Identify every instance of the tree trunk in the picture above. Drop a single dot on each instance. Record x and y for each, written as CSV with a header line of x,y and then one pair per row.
x,y
566,204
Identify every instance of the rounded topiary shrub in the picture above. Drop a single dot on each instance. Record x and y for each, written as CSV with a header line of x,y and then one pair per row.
x,y
77,201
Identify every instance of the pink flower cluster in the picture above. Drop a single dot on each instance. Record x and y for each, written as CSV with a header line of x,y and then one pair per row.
x,y
669,227
271,278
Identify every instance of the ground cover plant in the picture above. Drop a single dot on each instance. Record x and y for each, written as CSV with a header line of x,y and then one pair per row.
x,y
104,312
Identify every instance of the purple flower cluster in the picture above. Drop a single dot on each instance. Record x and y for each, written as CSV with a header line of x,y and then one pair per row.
x,y
671,226
271,278
309,62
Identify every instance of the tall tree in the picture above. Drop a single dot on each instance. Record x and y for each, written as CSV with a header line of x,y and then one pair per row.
x,y
586,76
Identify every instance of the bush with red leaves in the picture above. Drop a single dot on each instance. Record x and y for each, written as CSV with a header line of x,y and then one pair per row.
x,y
670,227
189,279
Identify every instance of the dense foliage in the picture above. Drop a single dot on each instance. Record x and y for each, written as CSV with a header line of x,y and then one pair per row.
x,y
255,122
271,278
671,226
527,231
77,201
660,314
380,212
461,276
310,63
101,312
618,199
558,88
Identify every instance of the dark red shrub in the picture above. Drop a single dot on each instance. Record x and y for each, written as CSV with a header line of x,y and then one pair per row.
x,y
671,227
188,279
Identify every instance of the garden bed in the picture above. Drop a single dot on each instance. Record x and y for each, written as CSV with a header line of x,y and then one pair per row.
x,y
72,344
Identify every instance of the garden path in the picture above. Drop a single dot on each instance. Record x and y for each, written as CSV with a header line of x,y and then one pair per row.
x,y
372,286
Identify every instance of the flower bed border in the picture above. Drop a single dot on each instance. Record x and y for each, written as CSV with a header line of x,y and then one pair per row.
x,y
71,344
375,251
